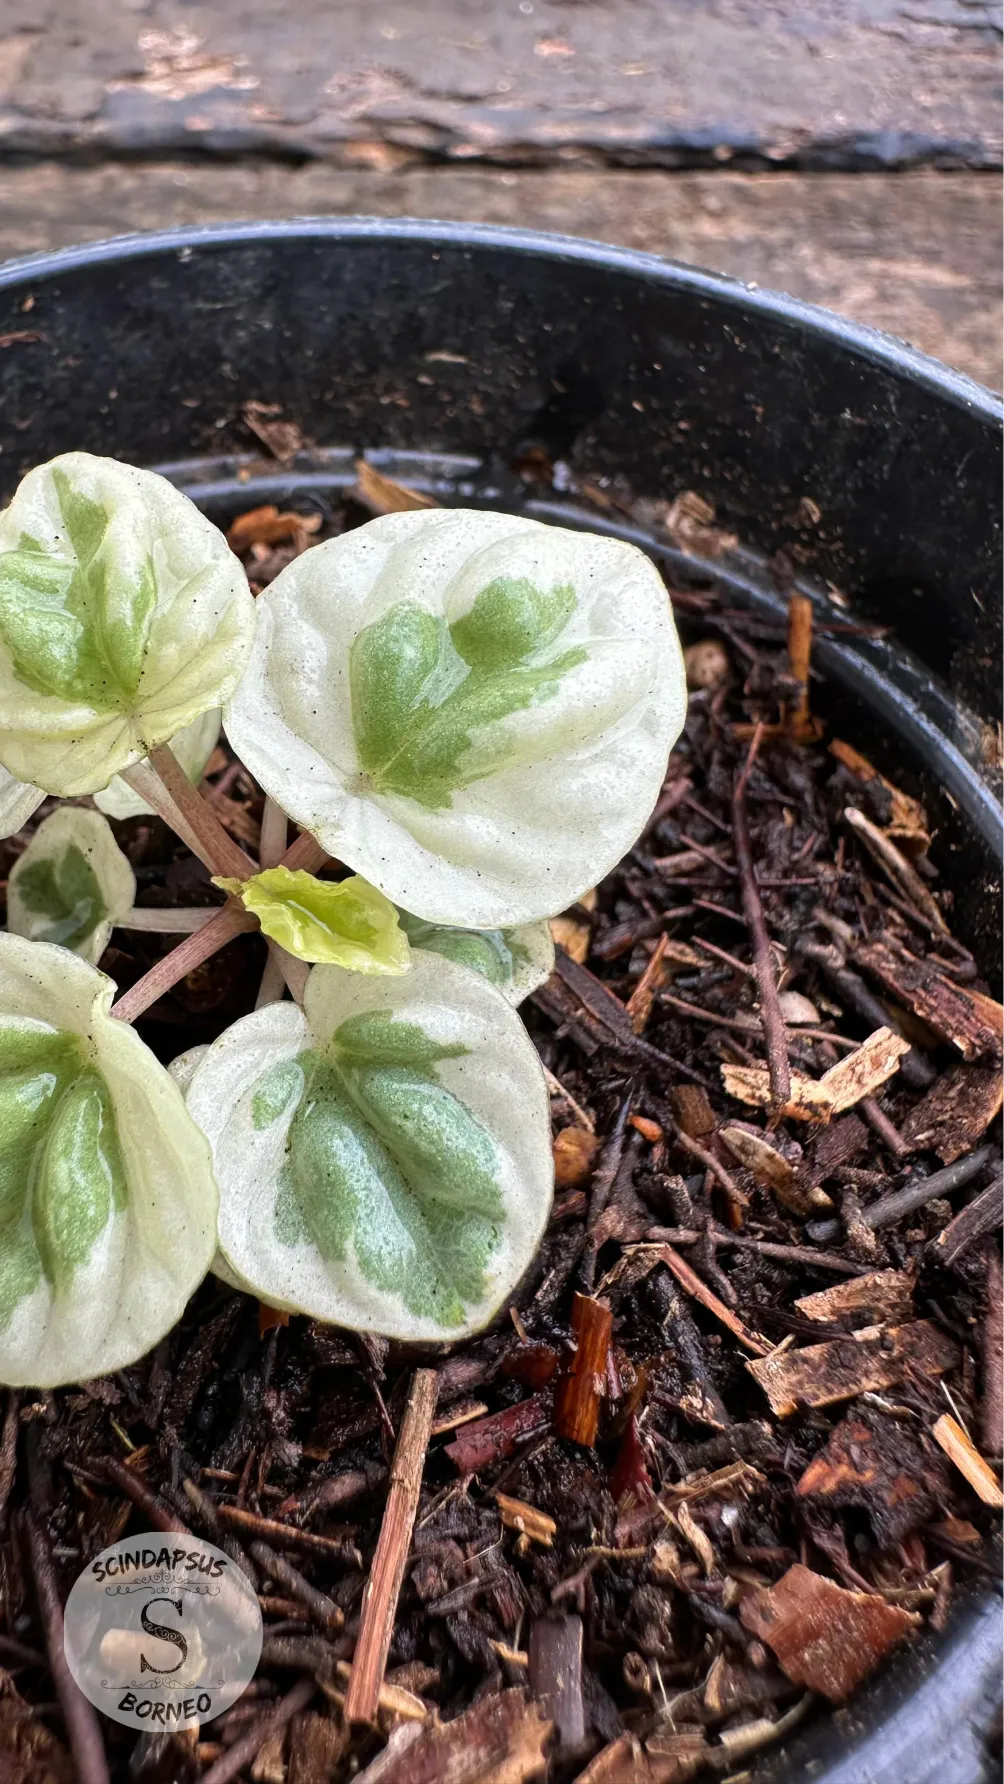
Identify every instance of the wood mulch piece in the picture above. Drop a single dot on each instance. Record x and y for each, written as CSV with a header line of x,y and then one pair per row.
x,y
748,1398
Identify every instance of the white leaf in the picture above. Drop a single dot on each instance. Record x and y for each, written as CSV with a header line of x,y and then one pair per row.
x,y
124,616
72,883
405,1198
107,1199
516,960
486,789
193,747
18,800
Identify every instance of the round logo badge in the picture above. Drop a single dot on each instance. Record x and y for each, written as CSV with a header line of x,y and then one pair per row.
x,y
162,1632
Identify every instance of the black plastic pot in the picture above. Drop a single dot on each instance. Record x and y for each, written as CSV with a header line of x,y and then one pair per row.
x,y
833,453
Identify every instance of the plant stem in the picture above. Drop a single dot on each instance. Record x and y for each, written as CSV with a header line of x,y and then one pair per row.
x,y
224,855
225,924
383,1588
774,1031
306,853
274,828
166,788
218,849
145,781
168,922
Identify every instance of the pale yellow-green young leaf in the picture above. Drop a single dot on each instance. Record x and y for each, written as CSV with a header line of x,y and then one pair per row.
x,y
108,1203
124,616
72,884
346,923
193,747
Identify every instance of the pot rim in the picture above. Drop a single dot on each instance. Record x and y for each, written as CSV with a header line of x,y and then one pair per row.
x,y
870,343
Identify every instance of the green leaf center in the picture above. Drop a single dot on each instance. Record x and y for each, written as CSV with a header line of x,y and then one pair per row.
x,y
61,1171
426,696
381,1155
76,620
66,890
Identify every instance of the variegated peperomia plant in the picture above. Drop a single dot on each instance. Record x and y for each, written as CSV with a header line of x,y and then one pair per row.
x,y
383,1154
107,1197
474,712
123,618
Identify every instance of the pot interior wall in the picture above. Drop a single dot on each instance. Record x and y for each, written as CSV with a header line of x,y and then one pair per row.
x,y
447,350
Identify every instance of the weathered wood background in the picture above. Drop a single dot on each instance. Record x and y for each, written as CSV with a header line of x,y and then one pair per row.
x,y
845,150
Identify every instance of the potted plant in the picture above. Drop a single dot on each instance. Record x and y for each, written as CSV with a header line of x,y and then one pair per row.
x,y
474,712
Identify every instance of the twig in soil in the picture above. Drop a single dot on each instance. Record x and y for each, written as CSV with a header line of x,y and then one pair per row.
x,y
491,1440
843,1368
231,1763
992,1348
798,718
775,1035
579,1392
960,1449
905,878
724,1178
137,1490
786,1254
322,1609
888,1209
287,1535
556,1088
182,960
883,1128
603,1179
673,1313
691,1283
915,1070
8,1452
984,1214
387,1572
81,1718
639,1004
555,1677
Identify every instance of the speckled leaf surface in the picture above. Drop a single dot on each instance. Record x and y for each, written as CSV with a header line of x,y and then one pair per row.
x,y
124,616
383,1156
107,1198
71,884
472,710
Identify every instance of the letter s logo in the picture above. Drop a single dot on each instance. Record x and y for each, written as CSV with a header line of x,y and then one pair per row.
x,y
174,1636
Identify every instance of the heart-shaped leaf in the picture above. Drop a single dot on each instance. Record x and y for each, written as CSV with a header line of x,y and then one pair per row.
x,y
107,1198
339,923
471,709
71,884
124,616
383,1155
